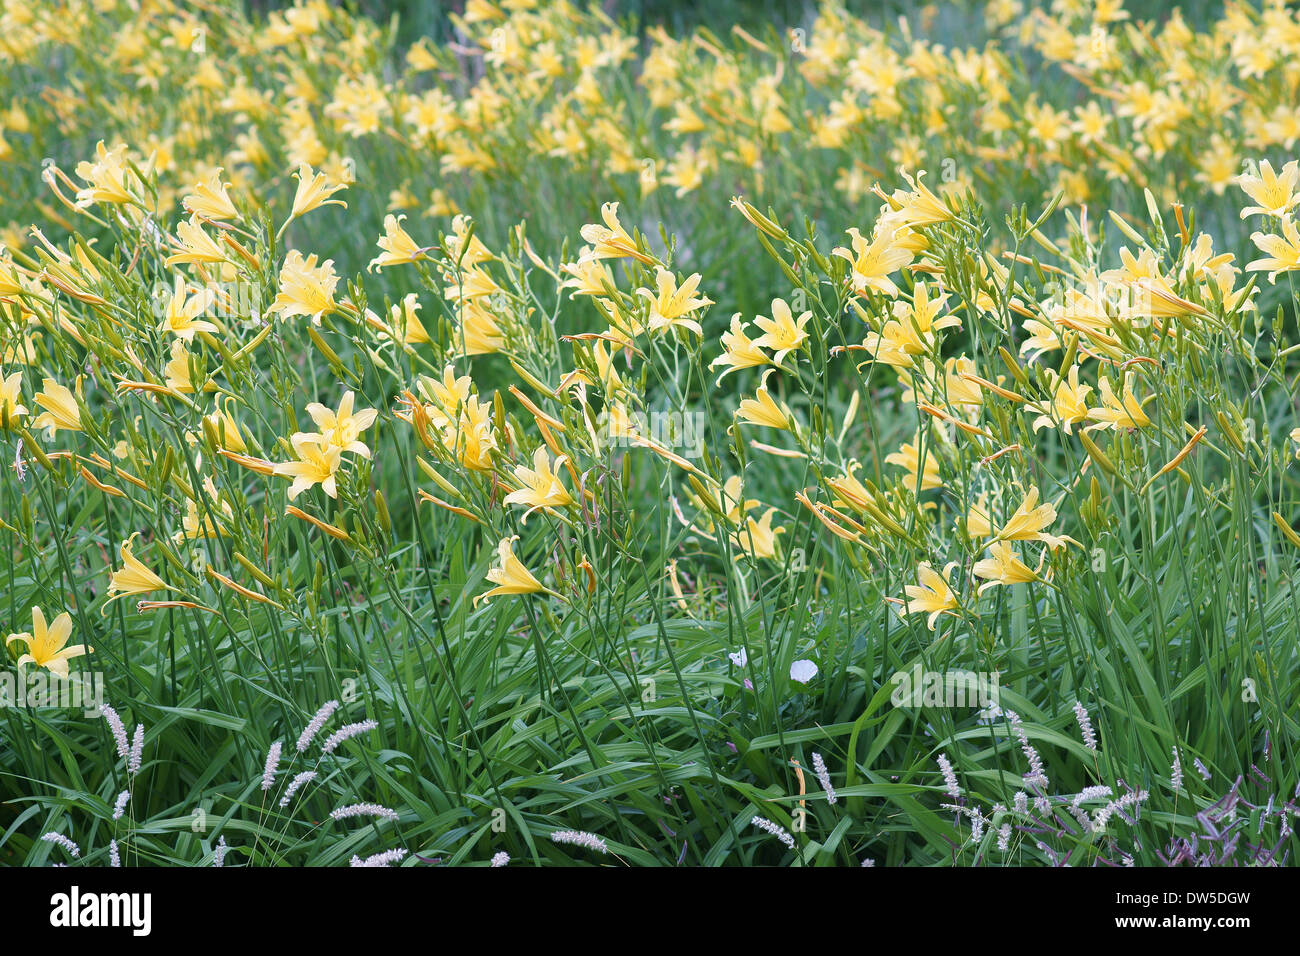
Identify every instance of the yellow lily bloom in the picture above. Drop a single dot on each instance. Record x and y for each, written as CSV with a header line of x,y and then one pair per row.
x,y
227,429
11,409
510,576
341,429
1069,402
762,409
406,325
1283,252
1003,566
397,245
873,260
183,311
1274,195
1118,412
134,577
317,464
305,288
46,645
313,190
1029,520
108,177
757,538
909,458
470,436
196,246
782,332
478,333
933,595
474,253
542,485
177,371
673,303
741,351
61,409
210,199
447,394
612,241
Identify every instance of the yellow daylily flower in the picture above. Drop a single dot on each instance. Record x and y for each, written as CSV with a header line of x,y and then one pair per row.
x,y
305,288
11,409
762,409
933,595
313,191
397,245
469,255
542,487
177,371
673,303
46,644
757,538
1274,195
195,245
134,577
510,576
782,332
227,429
741,351
210,199
406,325
1283,252
469,437
478,332
317,464
1003,567
1029,520
447,394
108,177
908,457
612,241
182,315
1069,403
342,428
873,260
61,409
1124,411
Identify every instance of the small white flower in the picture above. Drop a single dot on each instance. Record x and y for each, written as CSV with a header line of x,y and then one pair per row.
x,y
740,658
803,671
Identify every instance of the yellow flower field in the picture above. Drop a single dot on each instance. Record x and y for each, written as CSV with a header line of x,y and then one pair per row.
x,y
566,440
